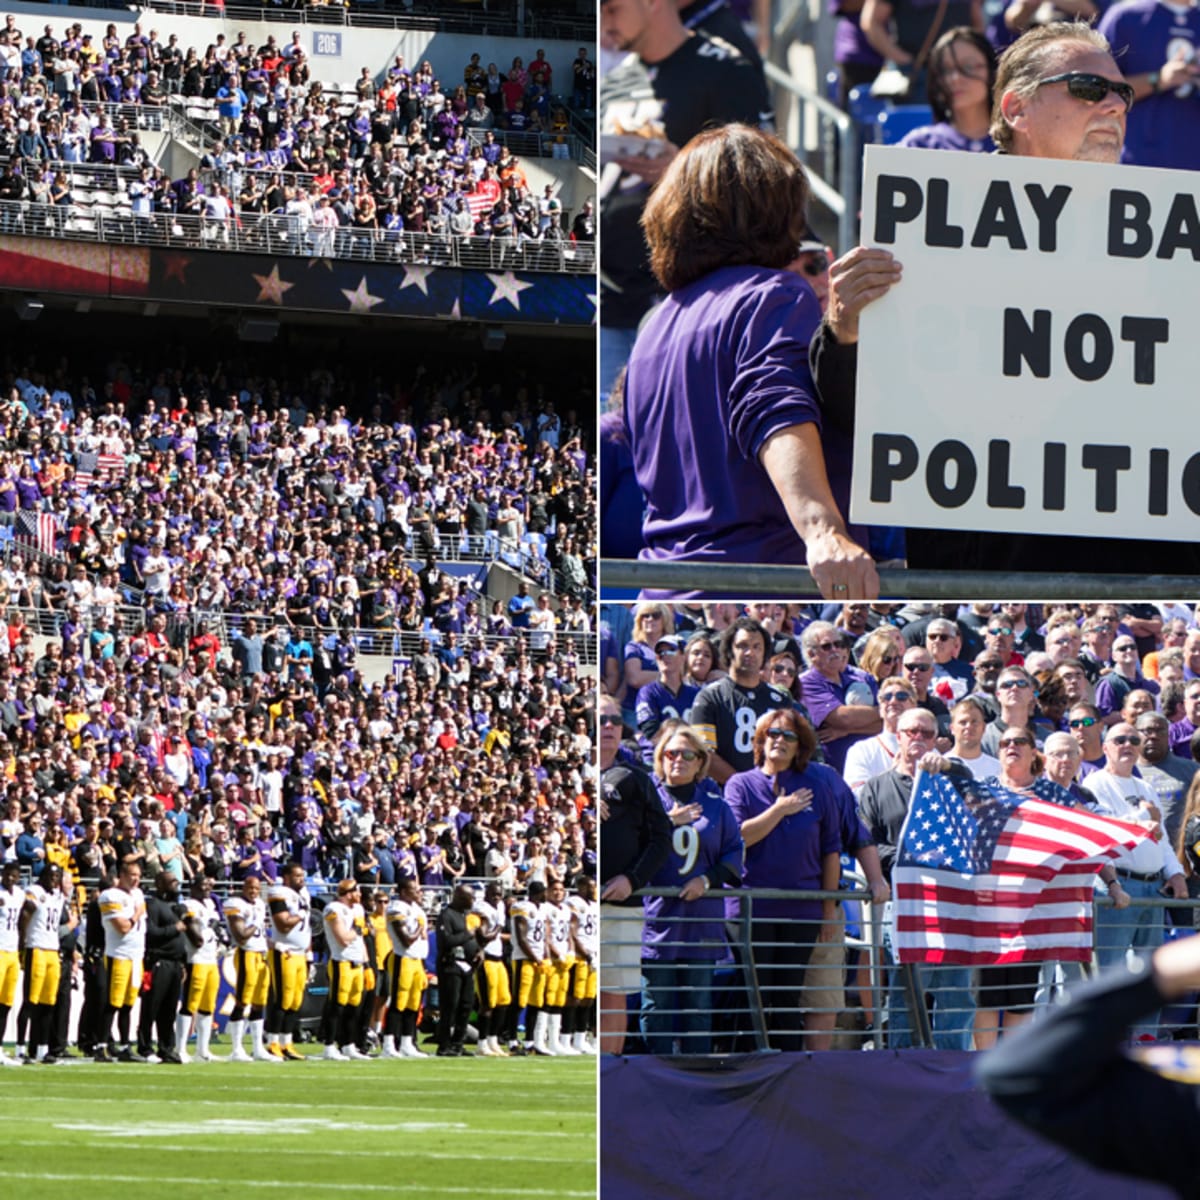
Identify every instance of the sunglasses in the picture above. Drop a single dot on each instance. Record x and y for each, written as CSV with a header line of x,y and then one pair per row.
x,y
787,734
783,669
1091,88
1013,683
1083,722
830,646
1123,647
1126,739
888,696
990,665
918,666
939,637
667,652
815,262
919,731
606,720
1017,741
1000,631
685,755
888,659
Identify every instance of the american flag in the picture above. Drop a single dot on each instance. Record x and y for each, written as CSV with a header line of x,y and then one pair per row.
x,y
36,529
986,875
91,465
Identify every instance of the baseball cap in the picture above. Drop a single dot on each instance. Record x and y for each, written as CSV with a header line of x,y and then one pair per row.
x,y
668,642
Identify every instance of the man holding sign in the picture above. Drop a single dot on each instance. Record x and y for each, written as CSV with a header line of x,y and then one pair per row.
x,y
1059,95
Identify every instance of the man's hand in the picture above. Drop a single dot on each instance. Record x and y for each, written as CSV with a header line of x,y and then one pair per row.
x,y
880,892
1118,895
694,888
840,567
855,280
1177,886
617,889
650,169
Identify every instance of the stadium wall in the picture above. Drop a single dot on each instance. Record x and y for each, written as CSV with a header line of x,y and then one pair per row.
x,y
335,53
836,1126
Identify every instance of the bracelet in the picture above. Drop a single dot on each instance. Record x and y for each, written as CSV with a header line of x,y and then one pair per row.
x,y
1153,80
707,882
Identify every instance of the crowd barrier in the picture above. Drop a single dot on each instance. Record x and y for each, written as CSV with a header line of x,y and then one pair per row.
x,y
753,993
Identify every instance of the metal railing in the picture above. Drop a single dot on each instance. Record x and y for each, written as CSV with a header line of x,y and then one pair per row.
x,y
770,580
744,992
290,236
833,172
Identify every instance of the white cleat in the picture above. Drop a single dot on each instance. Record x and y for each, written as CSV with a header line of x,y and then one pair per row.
x,y
392,1052
334,1054
565,1048
8,1061
485,1051
206,1057
264,1056
238,1054
410,1051
355,1053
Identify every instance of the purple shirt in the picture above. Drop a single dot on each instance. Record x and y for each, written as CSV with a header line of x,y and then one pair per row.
x,y
692,930
943,136
790,855
1180,738
655,704
821,696
735,344
1160,131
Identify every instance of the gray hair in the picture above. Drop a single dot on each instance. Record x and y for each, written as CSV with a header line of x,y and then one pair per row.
x,y
1024,63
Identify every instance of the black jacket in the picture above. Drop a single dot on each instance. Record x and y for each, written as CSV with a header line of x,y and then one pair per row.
x,y
163,940
455,942
636,837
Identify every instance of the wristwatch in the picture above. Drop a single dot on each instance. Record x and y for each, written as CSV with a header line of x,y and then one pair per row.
x,y
1153,81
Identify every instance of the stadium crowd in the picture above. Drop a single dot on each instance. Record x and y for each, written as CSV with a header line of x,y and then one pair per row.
x,y
766,742
229,488
185,706
395,156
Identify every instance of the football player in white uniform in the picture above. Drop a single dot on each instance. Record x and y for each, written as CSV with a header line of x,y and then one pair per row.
x,y
203,977
123,911
12,902
495,995
347,961
408,928
290,906
246,916
529,965
586,930
46,907
560,953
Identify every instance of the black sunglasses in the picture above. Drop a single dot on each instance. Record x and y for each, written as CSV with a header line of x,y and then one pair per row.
x,y
815,262
1092,88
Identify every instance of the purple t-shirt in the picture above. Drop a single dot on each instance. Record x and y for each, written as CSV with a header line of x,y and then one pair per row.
x,y
655,704
734,345
943,136
1161,129
1180,738
692,930
790,855
821,696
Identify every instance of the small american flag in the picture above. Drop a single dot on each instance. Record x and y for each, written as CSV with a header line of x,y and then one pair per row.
x,y
985,875
112,465
92,466
36,529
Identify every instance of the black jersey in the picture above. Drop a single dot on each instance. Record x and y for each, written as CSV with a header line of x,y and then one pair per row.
x,y
704,84
726,713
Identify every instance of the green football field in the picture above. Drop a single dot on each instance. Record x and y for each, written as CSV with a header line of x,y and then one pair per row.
x,y
479,1127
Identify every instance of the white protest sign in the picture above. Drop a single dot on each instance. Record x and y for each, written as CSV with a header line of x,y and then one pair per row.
x,y
1036,370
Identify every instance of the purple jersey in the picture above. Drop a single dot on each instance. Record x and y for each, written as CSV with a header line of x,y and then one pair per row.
x,y
655,704
1161,129
821,696
735,345
790,855
943,136
693,930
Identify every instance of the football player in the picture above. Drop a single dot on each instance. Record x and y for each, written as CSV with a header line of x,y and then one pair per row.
x,y
495,994
246,917
529,967
42,914
586,931
347,958
560,958
408,928
291,937
203,975
12,902
123,912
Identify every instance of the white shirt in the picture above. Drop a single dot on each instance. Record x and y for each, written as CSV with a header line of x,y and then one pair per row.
x,y
1124,798
11,904
982,767
868,758
356,950
299,937
412,920
254,921
204,913
118,903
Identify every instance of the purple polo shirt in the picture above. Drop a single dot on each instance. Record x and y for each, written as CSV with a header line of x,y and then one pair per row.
x,y
790,855
735,344
943,136
1180,738
821,696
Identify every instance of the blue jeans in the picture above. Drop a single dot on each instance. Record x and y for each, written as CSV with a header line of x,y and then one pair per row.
x,y
953,1003
1137,929
677,1007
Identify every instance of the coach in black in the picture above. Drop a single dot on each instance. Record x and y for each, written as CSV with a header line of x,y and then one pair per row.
x,y
458,955
1069,1077
166,954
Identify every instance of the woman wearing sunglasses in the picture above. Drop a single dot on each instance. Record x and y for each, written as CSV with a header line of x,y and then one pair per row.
x,y
883,653
1006,993
684,934
962,73
789,811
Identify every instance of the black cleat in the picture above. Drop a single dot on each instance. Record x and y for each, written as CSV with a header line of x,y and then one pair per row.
x,y
102,1056
129,1055
171,1056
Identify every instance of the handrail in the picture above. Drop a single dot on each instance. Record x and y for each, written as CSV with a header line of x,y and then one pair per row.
x,y
759,579
841,199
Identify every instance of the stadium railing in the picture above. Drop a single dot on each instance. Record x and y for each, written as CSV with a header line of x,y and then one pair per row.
x,y
738,1012
110,219
770,580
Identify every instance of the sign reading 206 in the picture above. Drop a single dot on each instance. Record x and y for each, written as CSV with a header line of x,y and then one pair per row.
x,y
328,45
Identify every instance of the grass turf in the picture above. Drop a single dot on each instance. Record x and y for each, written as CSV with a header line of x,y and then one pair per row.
x,y
492,1128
